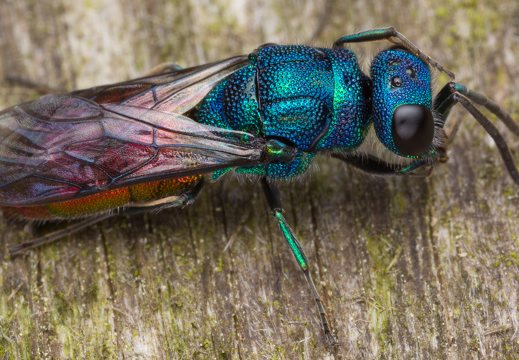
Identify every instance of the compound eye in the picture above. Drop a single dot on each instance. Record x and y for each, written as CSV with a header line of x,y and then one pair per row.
x,y
413,129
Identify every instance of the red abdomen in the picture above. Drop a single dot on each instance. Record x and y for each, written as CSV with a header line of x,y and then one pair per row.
x,y
105,200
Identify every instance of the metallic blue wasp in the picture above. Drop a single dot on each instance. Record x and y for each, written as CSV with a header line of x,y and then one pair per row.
x,y
145,144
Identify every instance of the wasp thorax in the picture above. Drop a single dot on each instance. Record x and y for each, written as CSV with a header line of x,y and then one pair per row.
x,y
402,100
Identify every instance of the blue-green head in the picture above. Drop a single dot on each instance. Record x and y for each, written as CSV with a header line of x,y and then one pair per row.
x,y
401,101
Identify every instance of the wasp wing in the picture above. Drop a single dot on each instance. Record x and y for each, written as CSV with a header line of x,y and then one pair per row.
x,y
176,91
63,146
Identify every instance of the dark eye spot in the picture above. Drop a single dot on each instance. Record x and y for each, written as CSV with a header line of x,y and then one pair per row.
x,y
411,72
413,129
396,81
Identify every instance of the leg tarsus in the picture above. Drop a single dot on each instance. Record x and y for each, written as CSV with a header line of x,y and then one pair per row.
x,y
331,341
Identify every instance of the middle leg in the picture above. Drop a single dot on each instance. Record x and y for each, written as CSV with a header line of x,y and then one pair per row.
x,y
274,201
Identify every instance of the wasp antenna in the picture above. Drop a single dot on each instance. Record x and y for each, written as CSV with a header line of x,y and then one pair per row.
x,y
392,35
399,39
499,140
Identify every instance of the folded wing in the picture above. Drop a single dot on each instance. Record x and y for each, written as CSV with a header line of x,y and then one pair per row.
x,y
65,146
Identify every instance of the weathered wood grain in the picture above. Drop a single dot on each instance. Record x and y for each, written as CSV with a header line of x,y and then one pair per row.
x,y
408,268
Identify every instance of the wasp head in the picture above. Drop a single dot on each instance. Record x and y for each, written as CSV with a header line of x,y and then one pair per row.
x,y
402,100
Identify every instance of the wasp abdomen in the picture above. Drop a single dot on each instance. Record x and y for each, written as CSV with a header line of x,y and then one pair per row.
x,y
107,200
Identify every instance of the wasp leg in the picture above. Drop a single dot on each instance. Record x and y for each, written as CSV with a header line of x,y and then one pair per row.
x,y
164,68
184,199
442,105
56,235
274,201
453,93
373,165
392,35
446,99
494,133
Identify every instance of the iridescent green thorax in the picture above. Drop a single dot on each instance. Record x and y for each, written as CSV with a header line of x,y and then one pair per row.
x,y
310,96
314,99
351,103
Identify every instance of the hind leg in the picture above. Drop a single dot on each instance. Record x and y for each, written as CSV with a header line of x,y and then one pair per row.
x,y
274,201
53,236
184,199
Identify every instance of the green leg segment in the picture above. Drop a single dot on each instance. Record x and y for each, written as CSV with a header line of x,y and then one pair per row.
x,y
274,201
291,240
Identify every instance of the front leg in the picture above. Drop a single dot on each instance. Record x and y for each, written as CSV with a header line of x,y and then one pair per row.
x,y
375,166
274,201
456,93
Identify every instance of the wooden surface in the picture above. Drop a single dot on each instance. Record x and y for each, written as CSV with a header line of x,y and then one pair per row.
x,y
408,268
